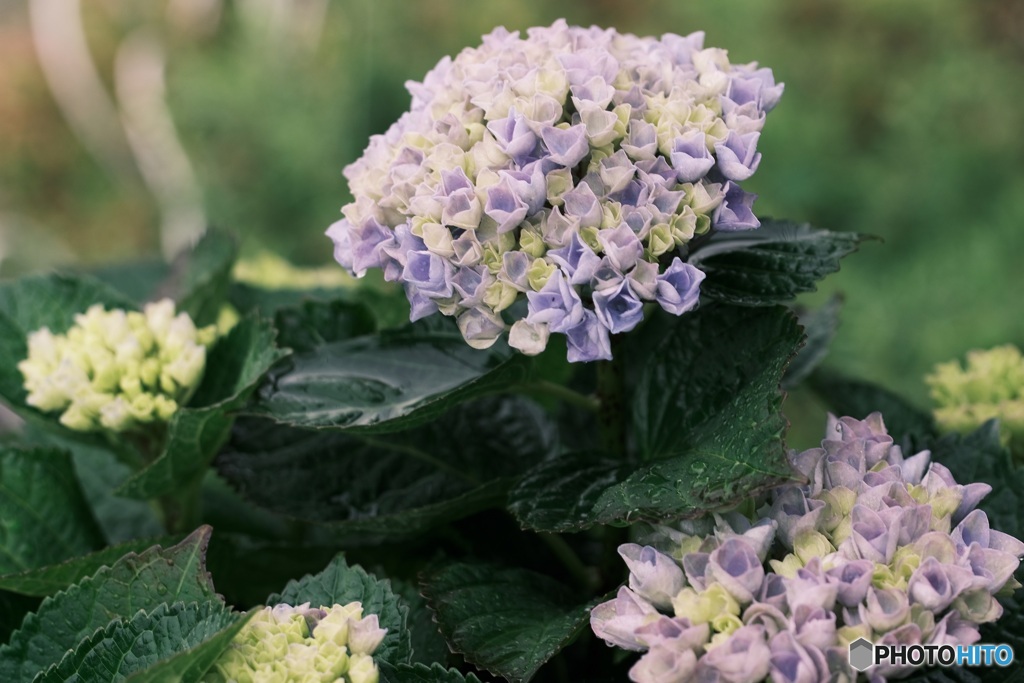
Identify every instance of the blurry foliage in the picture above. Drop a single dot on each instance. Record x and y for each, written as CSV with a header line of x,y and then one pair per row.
x,y
899,119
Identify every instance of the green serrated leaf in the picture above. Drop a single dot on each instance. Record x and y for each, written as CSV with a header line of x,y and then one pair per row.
x,y
820,326
506,621
979,457
173,642
44,518
856,398
421,673
134,582
50,579
195,434
395,484
386,382
706,421
341,584
315,323
770,265
428,645
199,278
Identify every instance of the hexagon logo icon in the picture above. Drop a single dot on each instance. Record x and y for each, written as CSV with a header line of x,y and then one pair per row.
x,y
862,654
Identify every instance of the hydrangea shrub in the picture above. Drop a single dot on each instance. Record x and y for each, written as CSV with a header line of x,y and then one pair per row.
x,y
569,167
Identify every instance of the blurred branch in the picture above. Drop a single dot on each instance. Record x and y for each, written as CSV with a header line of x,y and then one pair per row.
x,y
72,77
139,80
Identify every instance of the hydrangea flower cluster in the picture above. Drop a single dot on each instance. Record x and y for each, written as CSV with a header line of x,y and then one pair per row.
x,y
991,385
284,644
876,545
117,369
572,167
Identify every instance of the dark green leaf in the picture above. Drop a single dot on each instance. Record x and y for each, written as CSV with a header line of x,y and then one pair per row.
x,y
342,584
122,519
31,303
199,278
137,280
386,382
396,484
979,457
855,398
706,422
134,582
428,645
194,435
421,673
390,308
820,326
178,642
315,323
57,577
506,621
770,265
44,518
13,608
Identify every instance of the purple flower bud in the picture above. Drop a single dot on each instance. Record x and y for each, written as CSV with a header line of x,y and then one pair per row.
x,y
935,585
990,568
884,609
736,210
690,157
973,529
971,495
679,287
795,512
616,621
997,540
695,566
642,140
664,664
421,306
596,90
621,246
773,592
431,274
767,616
588,341
759,535
743,658
618,308
635,193
737,156
814,627
871,536
576,259
736,566
853,580
566,147
616,171
581,203
529,185
811,587
653,575
794,662
504,206
643,279
674,632
340,233
453,181
471,282
586,64
558,305
514,136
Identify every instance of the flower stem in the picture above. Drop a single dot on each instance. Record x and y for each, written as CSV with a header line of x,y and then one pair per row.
x,y
560,392
585,576
611,415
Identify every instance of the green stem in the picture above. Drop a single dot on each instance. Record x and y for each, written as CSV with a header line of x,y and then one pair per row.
x,y
611,416
560,392
422,456
181,509
586,576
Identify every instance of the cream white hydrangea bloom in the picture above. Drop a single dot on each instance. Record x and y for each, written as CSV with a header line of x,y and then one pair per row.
x,y
117,369
285,644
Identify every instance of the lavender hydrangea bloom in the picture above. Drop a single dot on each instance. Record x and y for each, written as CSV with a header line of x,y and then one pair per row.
x,y
867,547
583,151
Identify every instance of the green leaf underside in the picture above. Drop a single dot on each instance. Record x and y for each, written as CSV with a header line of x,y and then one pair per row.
x,y
856,398
396,483
199,278
386,382
820,327
44,517
706,418
134,582
506,621
47,580
194,435
421,673
177,642
772,264
340,584
32,303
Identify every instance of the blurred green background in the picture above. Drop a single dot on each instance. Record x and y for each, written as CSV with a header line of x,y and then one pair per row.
x,y
900,119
